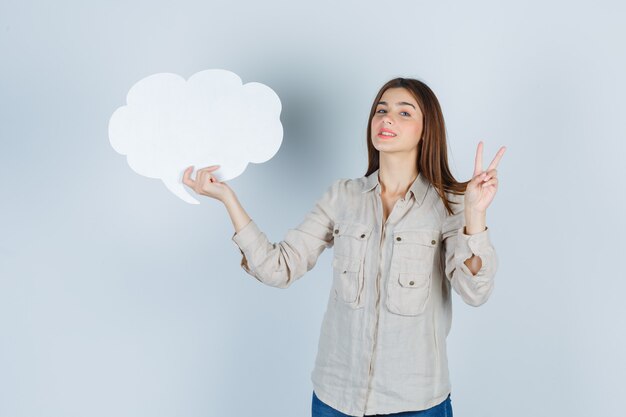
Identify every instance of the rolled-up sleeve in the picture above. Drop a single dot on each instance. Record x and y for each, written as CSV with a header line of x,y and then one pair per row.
x,y
280,264
458,247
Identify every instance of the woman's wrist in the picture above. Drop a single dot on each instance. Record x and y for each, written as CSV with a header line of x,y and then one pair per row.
x,y
229,198
475,221
238,215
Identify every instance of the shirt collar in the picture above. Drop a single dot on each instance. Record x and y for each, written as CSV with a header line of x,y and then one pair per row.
x,y
419,188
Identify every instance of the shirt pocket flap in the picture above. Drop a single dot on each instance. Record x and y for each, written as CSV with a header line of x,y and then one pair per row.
x,y
346,264
413,279
355,230
420,237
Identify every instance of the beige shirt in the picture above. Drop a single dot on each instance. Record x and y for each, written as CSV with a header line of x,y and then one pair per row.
x,y
382,346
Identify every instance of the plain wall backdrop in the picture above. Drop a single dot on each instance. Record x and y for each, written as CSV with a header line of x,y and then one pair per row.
x,y
118,299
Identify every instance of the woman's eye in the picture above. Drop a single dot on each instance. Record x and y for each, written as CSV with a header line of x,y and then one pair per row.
x,y
383,110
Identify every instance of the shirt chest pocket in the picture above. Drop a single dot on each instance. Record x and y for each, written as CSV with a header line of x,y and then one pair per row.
x,y
410,274
350,245
346,279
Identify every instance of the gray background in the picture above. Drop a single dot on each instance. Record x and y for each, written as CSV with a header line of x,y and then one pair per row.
x,y
118,299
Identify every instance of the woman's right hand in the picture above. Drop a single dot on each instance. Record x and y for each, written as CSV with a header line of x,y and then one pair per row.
x,y
206,184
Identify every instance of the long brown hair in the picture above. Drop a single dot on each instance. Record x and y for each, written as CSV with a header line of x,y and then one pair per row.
x,y
432,154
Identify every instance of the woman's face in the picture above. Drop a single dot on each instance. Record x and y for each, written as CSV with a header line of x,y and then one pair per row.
x,y
397,112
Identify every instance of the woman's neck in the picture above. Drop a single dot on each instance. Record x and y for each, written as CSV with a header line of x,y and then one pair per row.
x,y
396,175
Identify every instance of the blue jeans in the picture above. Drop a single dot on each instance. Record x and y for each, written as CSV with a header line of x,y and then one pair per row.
x,y
444,409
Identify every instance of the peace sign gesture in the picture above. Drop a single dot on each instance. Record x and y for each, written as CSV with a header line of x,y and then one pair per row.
x,y
483,186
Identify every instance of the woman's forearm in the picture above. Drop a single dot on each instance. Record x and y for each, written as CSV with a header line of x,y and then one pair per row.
x,y
237,214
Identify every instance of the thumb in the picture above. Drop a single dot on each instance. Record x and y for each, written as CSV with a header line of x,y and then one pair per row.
x,y
478,178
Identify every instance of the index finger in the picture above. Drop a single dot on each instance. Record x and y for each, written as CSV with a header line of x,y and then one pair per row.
x,y
187,177
497,158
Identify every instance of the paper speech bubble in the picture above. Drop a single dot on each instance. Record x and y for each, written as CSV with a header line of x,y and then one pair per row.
x,y
169,123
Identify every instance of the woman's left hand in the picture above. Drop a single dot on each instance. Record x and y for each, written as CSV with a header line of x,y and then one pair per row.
x,y
483,186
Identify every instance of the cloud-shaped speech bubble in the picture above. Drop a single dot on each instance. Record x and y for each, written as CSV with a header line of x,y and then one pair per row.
x,y
169,123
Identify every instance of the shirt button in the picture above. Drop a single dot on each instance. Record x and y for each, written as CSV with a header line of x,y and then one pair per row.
x,y
433,241
336,231
411,282
398,238
363,235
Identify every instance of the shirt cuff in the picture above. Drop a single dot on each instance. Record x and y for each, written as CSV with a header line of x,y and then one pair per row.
x,y
246,236
477,244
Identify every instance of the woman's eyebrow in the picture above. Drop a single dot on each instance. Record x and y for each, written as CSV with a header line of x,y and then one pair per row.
x,y
399,103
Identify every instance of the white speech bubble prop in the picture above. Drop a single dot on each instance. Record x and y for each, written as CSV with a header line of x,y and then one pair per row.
x,y
212,118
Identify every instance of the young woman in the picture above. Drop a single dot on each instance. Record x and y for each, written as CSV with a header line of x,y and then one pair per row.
x,y
403,235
